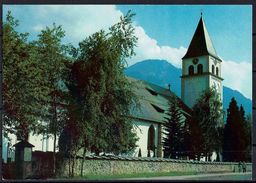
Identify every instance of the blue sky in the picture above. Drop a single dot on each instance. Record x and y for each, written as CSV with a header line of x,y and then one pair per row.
x,y
164,32
230,27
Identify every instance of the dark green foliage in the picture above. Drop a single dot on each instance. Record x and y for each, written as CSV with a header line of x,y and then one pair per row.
x,y
189,143
86,97
173,139
236,146
100,94
248,138
24,92
208,123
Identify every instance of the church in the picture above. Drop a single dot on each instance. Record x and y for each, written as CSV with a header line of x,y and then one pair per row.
x,y
201,69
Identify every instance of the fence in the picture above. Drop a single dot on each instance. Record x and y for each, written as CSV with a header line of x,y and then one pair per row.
x,y
100,165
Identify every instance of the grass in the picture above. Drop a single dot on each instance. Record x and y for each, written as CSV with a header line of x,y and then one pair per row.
x,y
135,175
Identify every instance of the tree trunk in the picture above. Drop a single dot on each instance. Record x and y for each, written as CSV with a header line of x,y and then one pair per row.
x,y
55,134
69,165
73,164
72,169
82,165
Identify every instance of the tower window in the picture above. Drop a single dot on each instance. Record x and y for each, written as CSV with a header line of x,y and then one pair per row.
x,y
212,69
191,70
217,71
200,69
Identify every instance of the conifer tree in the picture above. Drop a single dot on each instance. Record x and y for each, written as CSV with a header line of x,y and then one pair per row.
x,y
248,135
234,146
173,131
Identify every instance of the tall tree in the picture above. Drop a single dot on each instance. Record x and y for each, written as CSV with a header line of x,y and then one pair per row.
x,y
23,90
208,115
248,138
51,54
174,130
101,95
234,146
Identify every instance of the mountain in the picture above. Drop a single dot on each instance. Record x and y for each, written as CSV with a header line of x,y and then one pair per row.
x,y
159,72
162,73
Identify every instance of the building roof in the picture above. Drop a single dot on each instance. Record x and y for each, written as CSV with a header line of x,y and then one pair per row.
x,y
201,43
23,144
153,101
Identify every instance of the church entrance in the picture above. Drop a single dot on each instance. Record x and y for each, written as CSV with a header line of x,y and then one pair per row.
x,y
151,141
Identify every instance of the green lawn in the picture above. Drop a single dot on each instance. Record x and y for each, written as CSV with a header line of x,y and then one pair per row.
x,y
109,177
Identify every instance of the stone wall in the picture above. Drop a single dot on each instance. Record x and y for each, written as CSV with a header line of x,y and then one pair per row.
x,y
119,165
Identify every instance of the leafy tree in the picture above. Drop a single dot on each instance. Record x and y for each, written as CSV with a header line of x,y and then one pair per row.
x,y
51,54
173,131
236,134
208,118
23,91
100,95
32,74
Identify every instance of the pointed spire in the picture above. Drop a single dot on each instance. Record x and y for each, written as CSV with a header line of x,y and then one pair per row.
x,y
201,43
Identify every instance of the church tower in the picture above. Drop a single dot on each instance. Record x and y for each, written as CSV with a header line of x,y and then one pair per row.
x,y
201,67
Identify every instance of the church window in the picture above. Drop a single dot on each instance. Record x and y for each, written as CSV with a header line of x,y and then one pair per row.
x,y
200,69
191,70
217,71
213,69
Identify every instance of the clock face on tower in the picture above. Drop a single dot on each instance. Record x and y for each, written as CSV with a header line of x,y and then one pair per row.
x,y
195,60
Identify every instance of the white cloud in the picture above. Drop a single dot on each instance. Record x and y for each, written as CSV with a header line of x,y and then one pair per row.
x,y
77,21
83,20
38,27
238,76
147,48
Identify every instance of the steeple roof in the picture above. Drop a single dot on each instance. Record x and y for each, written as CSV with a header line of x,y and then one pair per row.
x,y
201,43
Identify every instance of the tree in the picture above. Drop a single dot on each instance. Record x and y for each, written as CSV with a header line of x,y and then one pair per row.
x,y
173,130
51,53
248,137
24,93
236,134
100,94
208,118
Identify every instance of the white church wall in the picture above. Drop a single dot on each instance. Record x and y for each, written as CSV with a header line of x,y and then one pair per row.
x,y
41,142
216,63
192,88
11,140
142,133
215,82
201,60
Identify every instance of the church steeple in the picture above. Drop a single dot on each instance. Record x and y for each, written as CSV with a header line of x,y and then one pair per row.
x,y
201,67
201,43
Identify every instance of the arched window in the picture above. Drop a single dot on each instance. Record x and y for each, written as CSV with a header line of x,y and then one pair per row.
x,y
200,69
151,140
212,69
217,71
191,70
